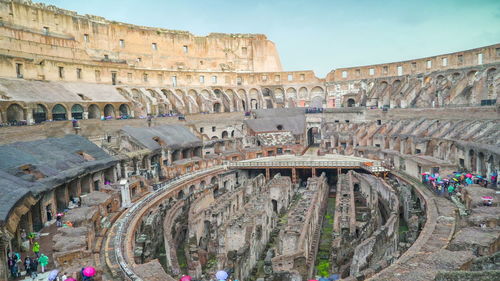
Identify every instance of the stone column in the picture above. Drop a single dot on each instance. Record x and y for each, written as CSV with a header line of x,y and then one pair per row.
x,y
125,193
268,174
294,175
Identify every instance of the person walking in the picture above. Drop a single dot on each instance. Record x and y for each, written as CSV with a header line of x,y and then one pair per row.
x,y
34,268
27,265
36,249
43,260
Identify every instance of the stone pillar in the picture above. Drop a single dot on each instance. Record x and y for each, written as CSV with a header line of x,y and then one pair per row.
x,y
125,193
313,172
294,175
268,174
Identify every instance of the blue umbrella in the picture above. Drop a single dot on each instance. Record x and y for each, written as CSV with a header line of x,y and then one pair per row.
x,y
53,275
221,275
334,277
324,279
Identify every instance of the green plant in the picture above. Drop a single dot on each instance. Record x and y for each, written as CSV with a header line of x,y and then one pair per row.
x,y
323,268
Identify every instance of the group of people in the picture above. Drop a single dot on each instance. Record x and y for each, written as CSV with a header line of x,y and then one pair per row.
x,y
453,184
30,264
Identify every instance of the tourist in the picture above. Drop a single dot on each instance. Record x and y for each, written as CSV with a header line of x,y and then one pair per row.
x,y
43,260
36,249
59,220
27,265
64,276
34,268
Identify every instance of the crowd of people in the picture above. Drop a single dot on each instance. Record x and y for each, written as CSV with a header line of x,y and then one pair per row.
x,y
453,184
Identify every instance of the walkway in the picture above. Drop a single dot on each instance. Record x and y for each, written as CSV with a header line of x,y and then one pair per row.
x,y
310,161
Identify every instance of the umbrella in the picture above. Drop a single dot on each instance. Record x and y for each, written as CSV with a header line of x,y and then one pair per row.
x,y
89,271
334,277
70,279
423,174
186,278
60,214
440,181
53,275
324,279
479,177
457,174
221,275
469,175
486,197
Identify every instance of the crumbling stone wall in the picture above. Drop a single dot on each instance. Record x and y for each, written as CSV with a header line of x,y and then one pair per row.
x,y
298,239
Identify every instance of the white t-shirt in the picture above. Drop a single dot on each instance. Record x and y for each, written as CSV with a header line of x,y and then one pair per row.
x,y
63,277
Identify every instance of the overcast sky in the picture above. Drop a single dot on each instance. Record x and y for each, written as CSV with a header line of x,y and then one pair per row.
x,y
321,34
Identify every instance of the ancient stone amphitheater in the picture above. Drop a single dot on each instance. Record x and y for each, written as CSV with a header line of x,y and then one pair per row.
x,y
171,154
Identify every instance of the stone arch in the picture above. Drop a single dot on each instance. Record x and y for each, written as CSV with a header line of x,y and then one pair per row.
x,y
225,134
40,113
291,97
109,110
59,112
317,91
77,112
94,111
15,113
124,110
255,99
303,94
217,107
317,102
193,94
351,102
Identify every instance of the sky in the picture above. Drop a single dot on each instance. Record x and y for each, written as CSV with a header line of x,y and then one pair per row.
x,y
321,35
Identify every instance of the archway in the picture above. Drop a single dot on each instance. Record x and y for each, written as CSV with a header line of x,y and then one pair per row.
x,y
217,107
317,102
109,110
77,112
15,113
94,112
310,135
40,113
124,110
59,113
254,104
225,134
351,102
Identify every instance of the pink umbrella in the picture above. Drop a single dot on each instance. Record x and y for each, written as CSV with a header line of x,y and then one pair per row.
x,y
70,279
486,197
89,271
186,278
469,175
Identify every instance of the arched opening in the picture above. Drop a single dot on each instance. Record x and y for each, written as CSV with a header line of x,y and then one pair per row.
x,y
77,112
59,113
180,195
124,110
232,133
109,110
266,92
15,113
351,102
269,103
225,134
254,104
317,102
310,135
40,113
217,107
94,112
191,189
279,127
202,185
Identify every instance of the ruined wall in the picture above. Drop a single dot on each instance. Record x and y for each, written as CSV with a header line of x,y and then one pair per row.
x,y
383,243
298,239
66,35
